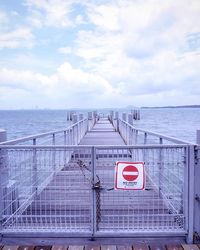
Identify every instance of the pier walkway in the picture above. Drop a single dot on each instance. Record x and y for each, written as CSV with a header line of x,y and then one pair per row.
x,y
103,133
63,185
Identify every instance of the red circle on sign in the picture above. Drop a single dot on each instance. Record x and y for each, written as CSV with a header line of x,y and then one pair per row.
x,y
130,173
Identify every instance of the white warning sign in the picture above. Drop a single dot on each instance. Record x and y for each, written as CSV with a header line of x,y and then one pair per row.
x,y
129,176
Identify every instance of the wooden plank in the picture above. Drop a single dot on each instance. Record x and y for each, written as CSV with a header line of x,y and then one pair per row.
x,y
76,247
10,248
43,247
91,247
174,247
190,247
158,246
108,247
141,247
26,248
57,247
126,247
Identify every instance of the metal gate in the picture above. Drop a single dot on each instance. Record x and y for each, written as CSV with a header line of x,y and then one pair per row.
x,y
161,207
71,190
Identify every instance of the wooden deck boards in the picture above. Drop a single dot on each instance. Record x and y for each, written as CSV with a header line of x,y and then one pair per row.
x,y
153,246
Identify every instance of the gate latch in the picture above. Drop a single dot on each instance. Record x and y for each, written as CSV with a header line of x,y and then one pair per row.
x,y
97,186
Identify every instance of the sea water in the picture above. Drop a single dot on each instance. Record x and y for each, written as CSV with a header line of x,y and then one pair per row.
x,y
177,122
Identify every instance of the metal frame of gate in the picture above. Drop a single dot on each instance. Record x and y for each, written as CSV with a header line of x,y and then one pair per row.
x,y
34,181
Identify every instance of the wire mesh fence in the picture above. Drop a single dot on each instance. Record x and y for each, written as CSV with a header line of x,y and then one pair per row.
x,y
71,189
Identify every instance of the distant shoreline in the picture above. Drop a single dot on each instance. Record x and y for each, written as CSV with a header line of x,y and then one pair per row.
x,y
173,107
106,109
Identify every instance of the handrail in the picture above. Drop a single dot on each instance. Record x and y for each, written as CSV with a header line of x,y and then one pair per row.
x,y
168,138
106,147
36,136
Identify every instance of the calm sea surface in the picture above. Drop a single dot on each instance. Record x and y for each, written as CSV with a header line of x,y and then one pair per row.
x,y
178,122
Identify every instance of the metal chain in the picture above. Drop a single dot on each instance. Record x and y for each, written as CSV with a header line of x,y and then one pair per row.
x,y
96,185
98,203
83,167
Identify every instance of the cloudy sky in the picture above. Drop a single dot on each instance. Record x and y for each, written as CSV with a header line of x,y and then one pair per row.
x,y
96,53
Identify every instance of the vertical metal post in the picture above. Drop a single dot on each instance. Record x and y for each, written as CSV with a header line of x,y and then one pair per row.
x,y
124,117
54,152
93,205
35,172
191,163
3,175
65,137
160,170
65,143
116,115
74,118
197,187
145,138
71,136
198,136
185,189
136,137
130,119
145,150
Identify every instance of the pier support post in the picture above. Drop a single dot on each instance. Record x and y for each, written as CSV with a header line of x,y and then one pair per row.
x,y
68,116
74,119
130,131
89,115
124,117
80,117
111,116
130,119
197,189
3,135
75,128
198,136
3,174
71,115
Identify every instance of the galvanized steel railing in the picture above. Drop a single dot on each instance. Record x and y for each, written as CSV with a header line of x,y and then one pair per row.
x,y
45,188
134,136
68,136
69,189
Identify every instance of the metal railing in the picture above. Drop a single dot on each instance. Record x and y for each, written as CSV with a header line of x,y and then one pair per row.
x,y
134,136
71,189
68,136
67,188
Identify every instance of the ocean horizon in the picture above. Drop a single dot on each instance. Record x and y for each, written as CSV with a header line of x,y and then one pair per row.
x,y
178,122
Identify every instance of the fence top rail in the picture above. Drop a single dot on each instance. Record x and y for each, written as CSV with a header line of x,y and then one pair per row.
x,y
101,147
37,136
168,138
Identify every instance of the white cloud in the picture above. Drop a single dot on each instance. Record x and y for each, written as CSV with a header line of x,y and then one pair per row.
x,y
105,16
20,37
67,84
80,20
129,52
49,12
138,50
